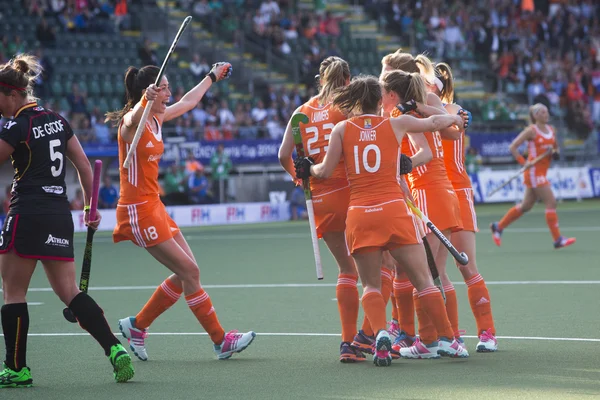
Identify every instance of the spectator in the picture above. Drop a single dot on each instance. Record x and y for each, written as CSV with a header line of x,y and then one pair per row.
x,y
473,160
146,54
221,165
77,105
121,17
198,188
43,80
45,34
199,67
174,186
192,165
298,204
77,202
108,195
259,113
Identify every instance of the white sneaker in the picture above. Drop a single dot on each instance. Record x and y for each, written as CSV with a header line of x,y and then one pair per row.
x,y
487,342
383,345
234,342
136,337
452,349
393,329
420,351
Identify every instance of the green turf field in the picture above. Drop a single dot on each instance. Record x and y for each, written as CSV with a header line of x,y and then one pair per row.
x,y
545,304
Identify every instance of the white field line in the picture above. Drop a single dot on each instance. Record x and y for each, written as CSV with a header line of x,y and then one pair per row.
x,y
310,285
270,236
313,334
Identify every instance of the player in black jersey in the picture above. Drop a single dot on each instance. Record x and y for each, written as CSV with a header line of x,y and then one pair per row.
x,y
39,225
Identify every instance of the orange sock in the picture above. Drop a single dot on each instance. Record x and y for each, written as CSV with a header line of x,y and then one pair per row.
x,y
403,293
374,306
386,292
432,303
511,216
204,311
162,299
552,221
452,307
348,304
394,308
481,304
427,332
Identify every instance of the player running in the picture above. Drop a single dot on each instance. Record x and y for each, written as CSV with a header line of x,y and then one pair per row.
x,y
541,140
331,196
143,219
464,240
378,219
39,225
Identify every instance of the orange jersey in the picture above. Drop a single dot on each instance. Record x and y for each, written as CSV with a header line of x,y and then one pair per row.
x,y
432,173
538,146
140,181
454,160
315,139
372,157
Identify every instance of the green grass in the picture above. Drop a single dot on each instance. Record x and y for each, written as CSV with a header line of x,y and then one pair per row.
x,y
307,367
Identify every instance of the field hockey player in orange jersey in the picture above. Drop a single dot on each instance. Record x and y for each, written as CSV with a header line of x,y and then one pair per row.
x,y
464,240
143,219
331,196
431,189
541,140
378,218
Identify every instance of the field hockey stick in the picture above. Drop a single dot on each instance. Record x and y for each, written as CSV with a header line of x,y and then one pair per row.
x,y
86,265
525,168
435,274
296,120
462,258
146,113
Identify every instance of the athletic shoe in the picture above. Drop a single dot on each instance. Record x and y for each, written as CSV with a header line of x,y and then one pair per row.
x,y
383,345
487,342
121,362
402,341
363,342
393,329
452,349
136,337
15,379
496,233
419,350
349,354
234,342
563,242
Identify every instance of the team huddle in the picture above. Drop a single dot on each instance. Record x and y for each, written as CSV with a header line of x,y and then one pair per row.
x,y
357,141
373,147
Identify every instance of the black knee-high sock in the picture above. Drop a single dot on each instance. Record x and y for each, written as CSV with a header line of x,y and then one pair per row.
x,y
91,318
15,325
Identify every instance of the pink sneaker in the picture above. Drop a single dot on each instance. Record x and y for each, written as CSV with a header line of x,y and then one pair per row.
x,y
234,342
452,349
136,337
393,329
420,351
487,342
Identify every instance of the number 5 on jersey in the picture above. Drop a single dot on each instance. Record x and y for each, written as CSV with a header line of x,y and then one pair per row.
x,y
363,159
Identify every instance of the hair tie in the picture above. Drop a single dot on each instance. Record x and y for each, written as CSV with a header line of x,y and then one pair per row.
x,y
20,89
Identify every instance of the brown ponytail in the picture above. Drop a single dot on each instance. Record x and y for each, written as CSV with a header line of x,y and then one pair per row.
x,y
19,74
136,81
334,73
361,96
406,86
444,74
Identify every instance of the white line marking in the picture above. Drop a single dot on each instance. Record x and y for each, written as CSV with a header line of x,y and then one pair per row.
x,y
312,334
308,285
271,236
34,303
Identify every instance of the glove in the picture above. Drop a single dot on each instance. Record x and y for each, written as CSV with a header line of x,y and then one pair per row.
x,y
469,118
407,106
405,164
220,71
302,166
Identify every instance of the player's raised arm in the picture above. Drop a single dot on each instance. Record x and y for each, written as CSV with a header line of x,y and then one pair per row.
x,y
219,72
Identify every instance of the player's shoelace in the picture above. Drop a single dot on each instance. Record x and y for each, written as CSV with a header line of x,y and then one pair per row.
x,y
231,338
138,336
